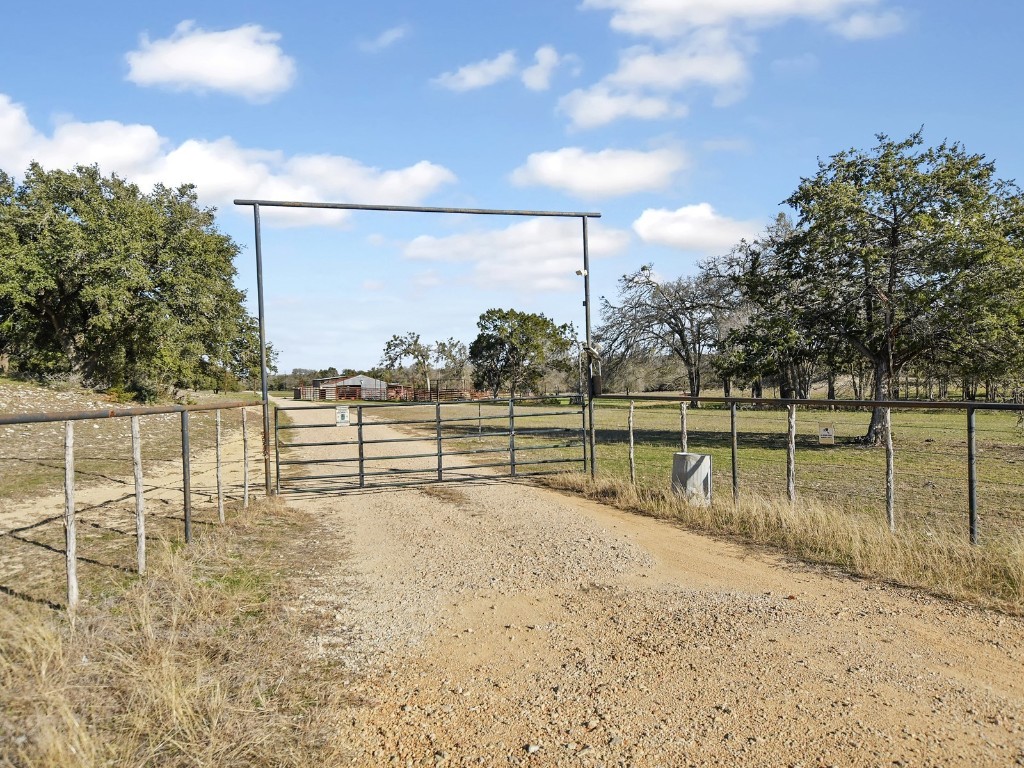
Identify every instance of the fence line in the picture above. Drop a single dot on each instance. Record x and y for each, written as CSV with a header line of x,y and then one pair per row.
x,y
133,414
937,469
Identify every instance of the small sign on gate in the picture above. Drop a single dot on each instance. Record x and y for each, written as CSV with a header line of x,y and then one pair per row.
x,y
341,416
826,434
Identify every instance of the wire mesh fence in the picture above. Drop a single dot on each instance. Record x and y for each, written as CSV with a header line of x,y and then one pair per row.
x,y
931,483
82,492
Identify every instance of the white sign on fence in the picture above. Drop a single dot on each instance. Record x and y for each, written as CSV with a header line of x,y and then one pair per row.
x,y
341,415
826,434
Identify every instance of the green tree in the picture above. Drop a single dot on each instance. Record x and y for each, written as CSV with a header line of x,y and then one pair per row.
x,y
123,288
513,350
904,251
409,346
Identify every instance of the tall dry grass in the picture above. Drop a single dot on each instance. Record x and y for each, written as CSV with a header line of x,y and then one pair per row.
x,y
937,559
198,663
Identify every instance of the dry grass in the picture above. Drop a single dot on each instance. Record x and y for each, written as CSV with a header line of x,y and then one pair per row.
x,y
937,560
202,662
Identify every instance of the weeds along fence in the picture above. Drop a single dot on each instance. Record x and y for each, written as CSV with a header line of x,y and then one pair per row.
x,y
940,466
94,451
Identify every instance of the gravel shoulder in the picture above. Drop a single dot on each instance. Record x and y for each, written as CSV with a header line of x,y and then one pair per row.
x,y
499,623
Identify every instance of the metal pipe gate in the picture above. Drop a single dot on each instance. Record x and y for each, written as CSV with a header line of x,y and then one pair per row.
x,y
360,449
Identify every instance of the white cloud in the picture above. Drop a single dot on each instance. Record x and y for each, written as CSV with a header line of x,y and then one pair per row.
x,y
695,228
599,105
606,173
538,76
666,19
245,61
480,74
385,39
866,26
795,66
709,57
540,254
221,169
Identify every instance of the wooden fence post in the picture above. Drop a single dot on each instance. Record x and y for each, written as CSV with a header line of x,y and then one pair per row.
x,y
220,485
140,518
245,460
683,438
632,454
70,551
791,454
890,475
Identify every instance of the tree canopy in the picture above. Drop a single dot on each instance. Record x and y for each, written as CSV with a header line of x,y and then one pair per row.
x,y
514,350
123,288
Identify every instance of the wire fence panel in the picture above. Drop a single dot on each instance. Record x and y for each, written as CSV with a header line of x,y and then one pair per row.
x,y
930,485
126,490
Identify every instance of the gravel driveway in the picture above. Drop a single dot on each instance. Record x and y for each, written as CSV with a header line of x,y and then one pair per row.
x,y
499,623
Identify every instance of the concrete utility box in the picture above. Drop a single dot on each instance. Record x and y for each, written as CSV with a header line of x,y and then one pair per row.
x,y
691,476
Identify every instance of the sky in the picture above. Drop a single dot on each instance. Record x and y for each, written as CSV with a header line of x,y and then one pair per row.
x,y
684,123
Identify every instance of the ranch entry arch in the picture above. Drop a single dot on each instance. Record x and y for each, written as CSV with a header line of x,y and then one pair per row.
x,y
585,272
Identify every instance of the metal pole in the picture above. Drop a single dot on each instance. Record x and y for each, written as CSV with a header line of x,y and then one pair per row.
x,y
70,550
437,422
735,467
140,517
359,439
186,476
245,460
632,454
220,483
590,357
890,474
972,475
683,437
277,452
512,436
791,455
263,349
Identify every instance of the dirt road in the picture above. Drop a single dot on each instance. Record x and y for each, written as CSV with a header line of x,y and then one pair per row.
x,y
496,623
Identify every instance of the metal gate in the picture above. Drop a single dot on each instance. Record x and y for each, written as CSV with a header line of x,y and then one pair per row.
x,y
340,447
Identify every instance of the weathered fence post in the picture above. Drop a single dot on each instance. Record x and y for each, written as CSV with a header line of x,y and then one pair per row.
x,y
70,549
186,476
972,475
791,454
683,438
245,460
140,514
220,486
890,474
735,467
632,455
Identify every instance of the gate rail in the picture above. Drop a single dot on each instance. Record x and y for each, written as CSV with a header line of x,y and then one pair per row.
x,y
364,476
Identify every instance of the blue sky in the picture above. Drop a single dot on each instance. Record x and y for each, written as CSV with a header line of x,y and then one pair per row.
x,y
684,122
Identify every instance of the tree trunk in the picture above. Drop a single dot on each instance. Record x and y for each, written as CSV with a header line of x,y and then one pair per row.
x,y
727,386
876,429
831,394
756,388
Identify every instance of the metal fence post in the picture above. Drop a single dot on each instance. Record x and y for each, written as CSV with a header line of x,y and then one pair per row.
x,y
890,473
277,452
632,455
359,439
220,484
791,454
512,437
186,476
972,475
70,549
735,466
683,437
437,423
140,515
245,461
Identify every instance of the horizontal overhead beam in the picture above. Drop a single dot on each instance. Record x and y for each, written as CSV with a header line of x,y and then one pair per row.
x,y
414,209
